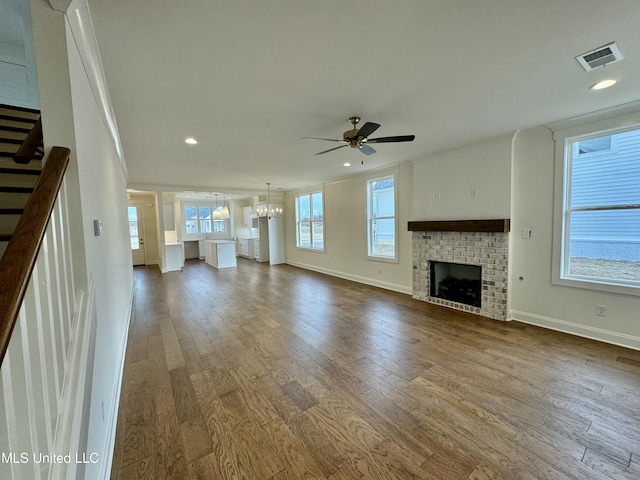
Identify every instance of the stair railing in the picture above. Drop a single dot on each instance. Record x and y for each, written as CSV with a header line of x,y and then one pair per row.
x,y
19,258
30,145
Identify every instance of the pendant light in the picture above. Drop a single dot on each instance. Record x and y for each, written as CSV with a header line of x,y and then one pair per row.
x,y
225,209
216,211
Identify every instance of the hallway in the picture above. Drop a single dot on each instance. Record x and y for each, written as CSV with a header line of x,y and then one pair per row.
x,y
262,372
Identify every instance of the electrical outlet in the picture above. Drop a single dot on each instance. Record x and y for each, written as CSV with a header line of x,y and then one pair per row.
x,y
437,196
601,310
526,233
474,192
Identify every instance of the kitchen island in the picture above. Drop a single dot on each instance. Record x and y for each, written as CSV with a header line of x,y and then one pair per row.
x,y
220,253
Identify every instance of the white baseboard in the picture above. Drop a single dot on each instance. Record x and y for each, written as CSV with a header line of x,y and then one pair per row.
x,y
112,420
355,278
602,335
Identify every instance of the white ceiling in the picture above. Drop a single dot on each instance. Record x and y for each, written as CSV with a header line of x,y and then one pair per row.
x,y
249,79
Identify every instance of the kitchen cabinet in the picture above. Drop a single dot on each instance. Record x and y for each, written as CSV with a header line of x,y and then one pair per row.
x,y
175,257
220,253
246,247
271,240
167,217
202,250
256,249
247,217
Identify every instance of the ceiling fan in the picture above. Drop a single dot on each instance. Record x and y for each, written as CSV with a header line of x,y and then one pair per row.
x,y
359,138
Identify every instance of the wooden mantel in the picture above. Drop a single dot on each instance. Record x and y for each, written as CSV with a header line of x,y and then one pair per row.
x,y
497,225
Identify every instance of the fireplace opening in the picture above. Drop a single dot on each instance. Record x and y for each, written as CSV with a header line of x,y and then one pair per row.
x,y
456,282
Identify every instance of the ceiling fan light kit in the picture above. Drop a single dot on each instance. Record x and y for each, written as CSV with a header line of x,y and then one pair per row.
x,y
359,138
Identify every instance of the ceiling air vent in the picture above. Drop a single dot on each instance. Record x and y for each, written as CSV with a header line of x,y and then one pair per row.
x,y
600,57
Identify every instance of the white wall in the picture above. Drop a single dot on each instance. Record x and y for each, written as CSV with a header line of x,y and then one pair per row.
x,y
535,299
483,166
73,118
108,257
345,252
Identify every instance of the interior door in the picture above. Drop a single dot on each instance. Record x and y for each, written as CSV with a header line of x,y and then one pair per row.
x,y
136,229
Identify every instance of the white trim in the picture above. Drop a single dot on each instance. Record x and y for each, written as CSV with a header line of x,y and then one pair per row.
x,y
354,278
391,172
81,27
112,417
565,132
69,424
594,333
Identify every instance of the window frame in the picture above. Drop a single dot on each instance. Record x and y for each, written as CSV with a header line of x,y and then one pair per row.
x,y
311,221
567,133
226,233
380,176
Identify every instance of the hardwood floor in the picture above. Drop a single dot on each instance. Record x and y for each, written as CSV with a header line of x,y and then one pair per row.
x,y
261,372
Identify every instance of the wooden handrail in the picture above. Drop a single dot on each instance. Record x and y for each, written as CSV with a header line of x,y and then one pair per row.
x,y
31,143
20,256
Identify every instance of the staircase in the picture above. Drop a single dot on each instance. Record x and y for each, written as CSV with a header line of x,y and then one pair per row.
x,y
16,179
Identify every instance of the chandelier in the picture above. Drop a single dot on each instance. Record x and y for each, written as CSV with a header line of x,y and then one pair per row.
x,y
267,211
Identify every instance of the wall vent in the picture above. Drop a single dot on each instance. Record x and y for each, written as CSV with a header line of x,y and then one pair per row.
x,y
600,57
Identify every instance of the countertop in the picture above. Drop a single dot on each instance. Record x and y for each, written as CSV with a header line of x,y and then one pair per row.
x,y
220,241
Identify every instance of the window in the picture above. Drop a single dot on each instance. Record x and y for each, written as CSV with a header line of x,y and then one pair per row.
x,y
601,211
381,218
310,221
198,219
133,228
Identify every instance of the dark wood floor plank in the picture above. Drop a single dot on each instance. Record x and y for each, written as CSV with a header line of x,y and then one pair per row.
x,y
277,373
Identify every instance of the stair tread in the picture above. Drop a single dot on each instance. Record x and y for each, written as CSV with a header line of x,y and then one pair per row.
x,y
5,154
13,189
7,131
19,171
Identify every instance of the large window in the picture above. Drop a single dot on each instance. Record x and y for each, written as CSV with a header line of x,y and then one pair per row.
x,y
601,211
381,218
310,221
200,219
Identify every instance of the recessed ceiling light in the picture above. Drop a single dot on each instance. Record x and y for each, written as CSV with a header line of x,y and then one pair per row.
x,y
347,164
190,141
603,84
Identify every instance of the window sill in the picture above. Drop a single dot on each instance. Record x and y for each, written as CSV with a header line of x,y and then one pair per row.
x,y
598,285
383,259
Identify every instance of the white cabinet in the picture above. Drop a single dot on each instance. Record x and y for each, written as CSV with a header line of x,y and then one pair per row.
x,y
246,247
202,250
175,257
247,215
271,240
256,249
220,253
167,216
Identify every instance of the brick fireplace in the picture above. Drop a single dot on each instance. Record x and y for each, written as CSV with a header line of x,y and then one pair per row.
x,y
483,243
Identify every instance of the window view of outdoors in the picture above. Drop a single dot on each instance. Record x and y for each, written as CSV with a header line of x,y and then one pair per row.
x,y
198,219
382,222
604,210
133,228
310,221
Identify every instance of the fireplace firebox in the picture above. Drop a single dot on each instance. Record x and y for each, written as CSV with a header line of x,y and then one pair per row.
x,y
456,282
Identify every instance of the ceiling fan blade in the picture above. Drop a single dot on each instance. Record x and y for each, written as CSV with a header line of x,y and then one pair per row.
x,y
367,129
399,138
367,150
325,139
331,149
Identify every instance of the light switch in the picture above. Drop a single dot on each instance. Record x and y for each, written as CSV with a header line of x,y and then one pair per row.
x,y
526,233
97,228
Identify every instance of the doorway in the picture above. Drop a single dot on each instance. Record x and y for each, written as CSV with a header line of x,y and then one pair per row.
x,y
136,229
